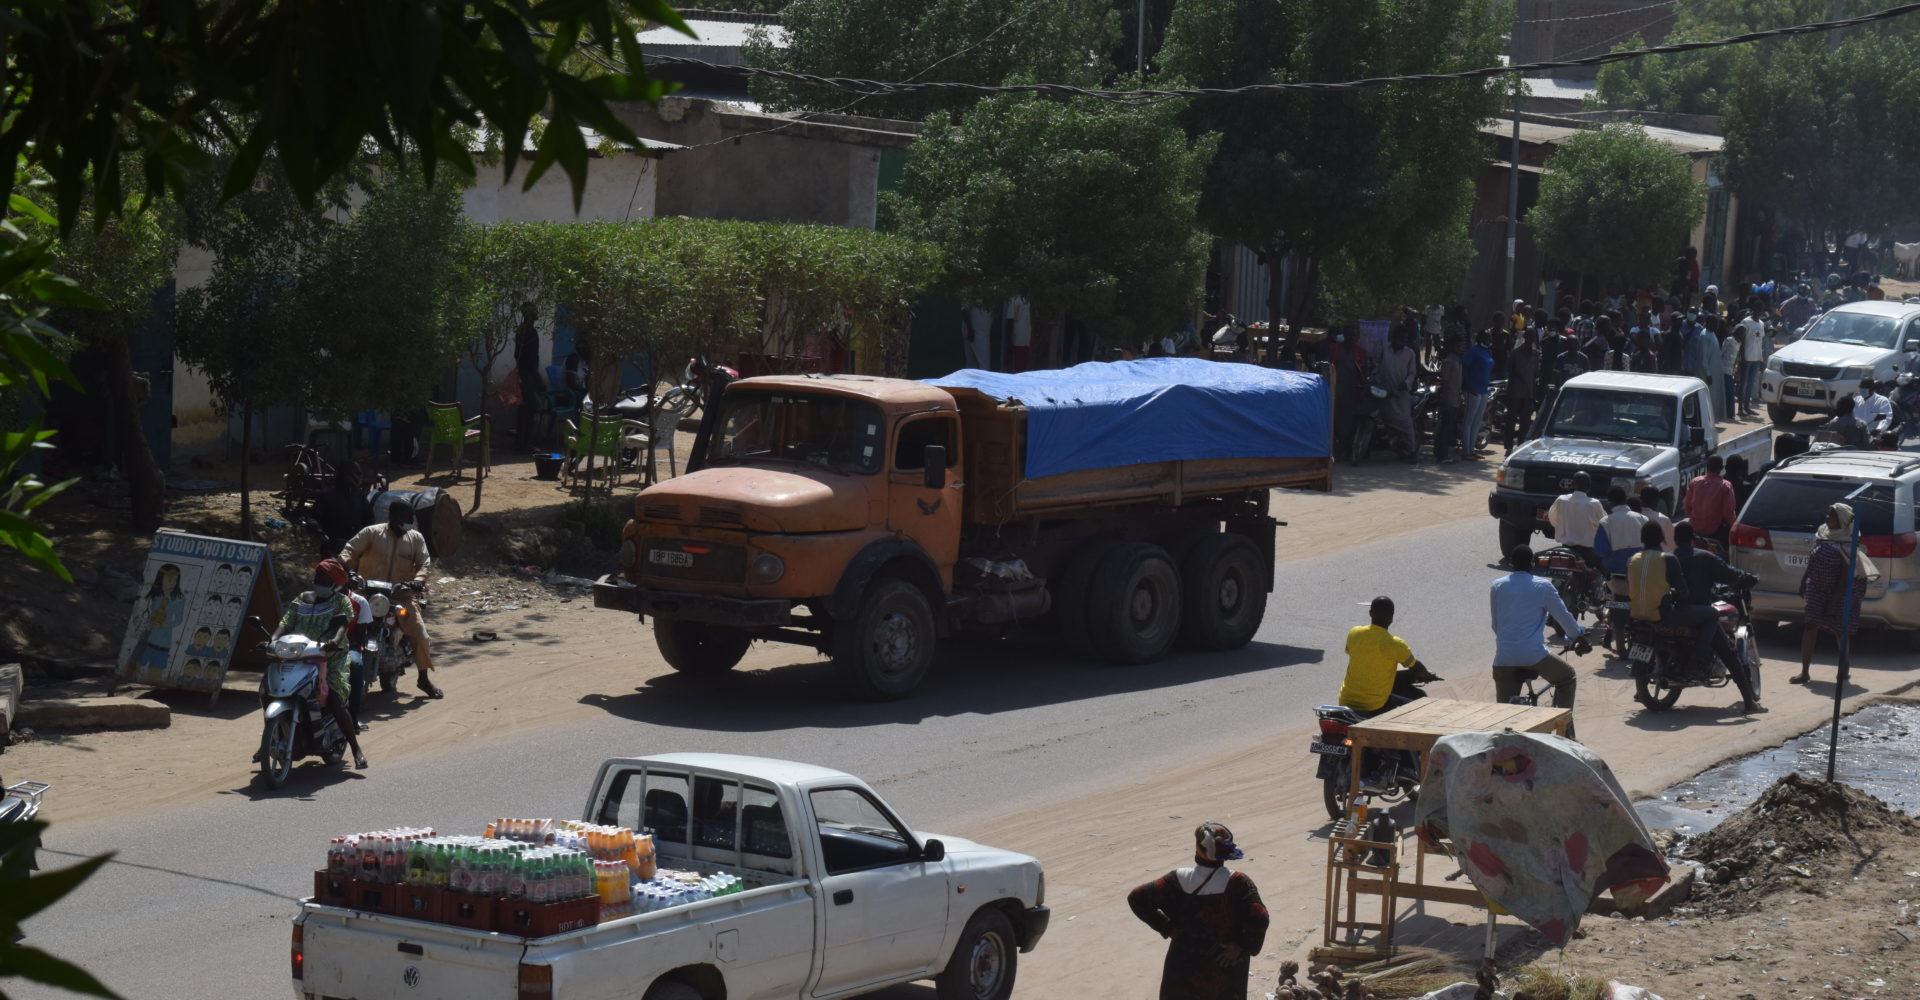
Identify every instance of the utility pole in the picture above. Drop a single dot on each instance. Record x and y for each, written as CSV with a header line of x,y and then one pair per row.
x,y
1835,11
1140,39
1513,194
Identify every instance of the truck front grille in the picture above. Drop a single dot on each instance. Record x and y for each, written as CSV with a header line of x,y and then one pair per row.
x,y
695,560
730,516
1557,479
1800,369
660,511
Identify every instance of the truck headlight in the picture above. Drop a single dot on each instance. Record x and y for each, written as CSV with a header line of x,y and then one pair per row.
x,y
1040,892
1775,364
766,568
1856,372
1500,476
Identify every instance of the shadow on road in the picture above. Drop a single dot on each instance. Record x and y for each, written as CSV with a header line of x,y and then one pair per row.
x,y
309,777
979,678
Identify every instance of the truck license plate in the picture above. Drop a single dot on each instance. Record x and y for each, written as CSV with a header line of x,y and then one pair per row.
x,y
1330,749
1802,389
668,557
1640,653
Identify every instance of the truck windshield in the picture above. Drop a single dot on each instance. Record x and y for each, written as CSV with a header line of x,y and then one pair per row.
x,y
831,432
1859,329
1608,413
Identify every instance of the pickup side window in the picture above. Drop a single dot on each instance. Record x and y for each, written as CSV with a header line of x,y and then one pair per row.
x,y
763,827
664,811
855,833
910,447
1690,413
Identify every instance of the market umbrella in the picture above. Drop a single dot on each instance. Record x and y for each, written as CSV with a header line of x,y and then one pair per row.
x,y
1538,823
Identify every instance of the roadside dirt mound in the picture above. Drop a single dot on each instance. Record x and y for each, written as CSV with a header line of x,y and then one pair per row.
x,y
1801,833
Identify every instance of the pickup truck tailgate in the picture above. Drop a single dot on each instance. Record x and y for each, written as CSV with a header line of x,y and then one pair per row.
x,y
353,955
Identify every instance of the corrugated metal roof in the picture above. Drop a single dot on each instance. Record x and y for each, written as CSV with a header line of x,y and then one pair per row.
x,y
712,34
1553,135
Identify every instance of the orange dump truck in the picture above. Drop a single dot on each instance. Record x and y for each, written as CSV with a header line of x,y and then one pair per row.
x,y
1124,504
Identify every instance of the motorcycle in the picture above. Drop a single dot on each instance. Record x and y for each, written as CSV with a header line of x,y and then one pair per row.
x,y
387,650
1584,589
293,725
695,391
1397,771
1662,655
1370,427
19,804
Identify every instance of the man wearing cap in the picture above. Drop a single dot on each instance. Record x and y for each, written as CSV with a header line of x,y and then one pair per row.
x,y
1873,409
1212,918
322,614
396,553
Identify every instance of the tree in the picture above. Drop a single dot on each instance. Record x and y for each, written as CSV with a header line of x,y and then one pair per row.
x,y
1615,202
1829,136
1085,207
1354,185
125,258
967,41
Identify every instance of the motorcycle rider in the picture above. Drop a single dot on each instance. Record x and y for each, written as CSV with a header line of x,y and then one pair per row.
x,y
395,552
1395,373
322,614
356,642
1657,593
1576,517
1374,658
1872,408
1846,428
1521,603
1703,570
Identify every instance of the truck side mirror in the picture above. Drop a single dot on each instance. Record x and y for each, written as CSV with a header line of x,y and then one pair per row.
x,y
933,849
934,465
1696,437
1912,345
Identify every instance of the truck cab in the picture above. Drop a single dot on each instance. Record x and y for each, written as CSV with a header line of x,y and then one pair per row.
x,y
1621,428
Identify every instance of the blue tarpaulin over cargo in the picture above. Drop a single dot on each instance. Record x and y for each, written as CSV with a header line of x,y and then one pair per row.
x,y
1109,413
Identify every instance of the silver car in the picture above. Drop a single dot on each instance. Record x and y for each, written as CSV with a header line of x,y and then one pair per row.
x,y
1775,529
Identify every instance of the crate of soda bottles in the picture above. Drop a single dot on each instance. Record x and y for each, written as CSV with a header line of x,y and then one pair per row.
x,y
364,870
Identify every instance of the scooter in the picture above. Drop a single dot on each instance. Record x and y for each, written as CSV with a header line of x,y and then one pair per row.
x,y
1662,660
1397,771
696,390
293,725
387,650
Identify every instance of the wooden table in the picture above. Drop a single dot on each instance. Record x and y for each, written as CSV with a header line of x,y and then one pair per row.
x,y
1414,726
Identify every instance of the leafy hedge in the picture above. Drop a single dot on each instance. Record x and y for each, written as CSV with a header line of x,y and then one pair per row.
x,y
681,285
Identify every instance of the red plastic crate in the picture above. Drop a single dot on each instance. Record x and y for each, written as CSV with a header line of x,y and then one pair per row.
x,y
422,902
329,889
373,897
478,913
537,920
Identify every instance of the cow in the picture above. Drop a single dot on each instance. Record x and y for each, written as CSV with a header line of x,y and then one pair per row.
x,y
1906,259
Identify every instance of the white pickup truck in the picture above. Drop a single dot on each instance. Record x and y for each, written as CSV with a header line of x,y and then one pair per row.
x,y
843,899
1620,428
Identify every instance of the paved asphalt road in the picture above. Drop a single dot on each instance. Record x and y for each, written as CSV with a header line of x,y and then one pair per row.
x,y
198,899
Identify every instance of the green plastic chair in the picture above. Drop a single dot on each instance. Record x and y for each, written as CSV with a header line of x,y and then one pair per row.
x,y
600,437
447,428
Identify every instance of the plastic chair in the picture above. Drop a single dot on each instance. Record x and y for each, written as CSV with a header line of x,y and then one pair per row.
x,y
656,433
555,403
600,437
446,427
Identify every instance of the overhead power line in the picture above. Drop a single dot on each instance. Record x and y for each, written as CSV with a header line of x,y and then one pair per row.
x,y
1596,17
883,87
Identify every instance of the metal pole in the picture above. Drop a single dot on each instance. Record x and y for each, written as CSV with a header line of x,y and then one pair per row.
x,y
1140,38
1513,194
1846,649
1835,11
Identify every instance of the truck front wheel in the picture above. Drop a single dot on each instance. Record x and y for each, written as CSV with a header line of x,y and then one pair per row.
x,y
699,649
1778,414
1512,534
1133,608
1223,593
884,651
984,961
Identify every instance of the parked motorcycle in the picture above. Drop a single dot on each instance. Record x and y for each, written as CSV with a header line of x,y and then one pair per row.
x,y
696,390
387,650
1398,770
1370,428
1662,656
293,725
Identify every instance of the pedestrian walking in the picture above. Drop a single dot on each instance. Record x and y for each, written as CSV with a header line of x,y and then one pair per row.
x,y
1395,373
1212,918
1824,587
1753,356
1523,380
1729,367
1476,382
1452,380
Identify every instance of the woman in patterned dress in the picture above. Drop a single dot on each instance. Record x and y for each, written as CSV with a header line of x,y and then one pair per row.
x,y
1212,917
1825,585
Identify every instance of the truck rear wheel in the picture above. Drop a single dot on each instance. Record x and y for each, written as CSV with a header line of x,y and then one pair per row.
x,y
699,649
1223,590
1070,592
983,962
884,651
1133,605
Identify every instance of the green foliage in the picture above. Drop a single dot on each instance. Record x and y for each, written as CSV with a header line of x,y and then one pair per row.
x,y
25,895
88,82
1357,184
1084,206
123,259
968,41
1616,202
1830,137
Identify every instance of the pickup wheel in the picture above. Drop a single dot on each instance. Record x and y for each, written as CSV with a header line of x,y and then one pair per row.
x,y
1133,606
984,961
698,649
1782,415
1512,534
884,651
672,991
1223,593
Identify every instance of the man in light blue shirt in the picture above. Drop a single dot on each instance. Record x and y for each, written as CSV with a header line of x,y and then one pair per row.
x,y
1521,604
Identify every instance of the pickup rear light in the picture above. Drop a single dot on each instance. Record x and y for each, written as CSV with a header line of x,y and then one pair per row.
x,y
536,982
299,953
1334,728
1749,537
1888,546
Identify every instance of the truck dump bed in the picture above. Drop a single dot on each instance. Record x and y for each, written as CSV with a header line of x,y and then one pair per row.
x,y
1161,430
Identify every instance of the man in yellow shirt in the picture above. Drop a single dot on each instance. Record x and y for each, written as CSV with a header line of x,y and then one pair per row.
x,y
1374,655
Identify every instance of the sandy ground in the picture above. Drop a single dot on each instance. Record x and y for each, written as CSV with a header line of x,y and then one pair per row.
x,y
1098,845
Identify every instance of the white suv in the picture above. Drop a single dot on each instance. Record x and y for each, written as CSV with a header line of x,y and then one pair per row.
x,y
1839,348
